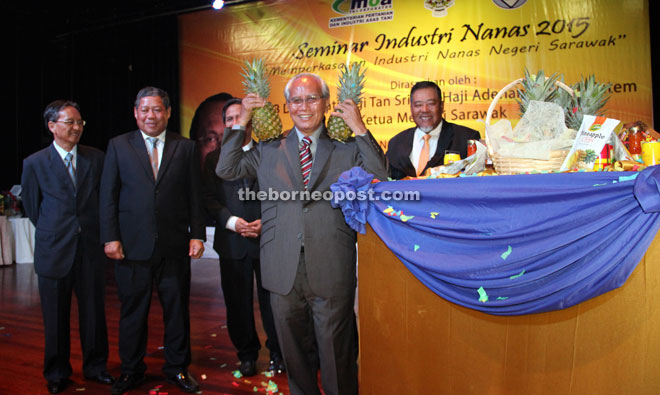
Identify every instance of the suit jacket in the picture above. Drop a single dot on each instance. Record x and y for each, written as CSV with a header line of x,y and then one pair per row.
x,y
143,213
63,215
329,243
453,137
221,200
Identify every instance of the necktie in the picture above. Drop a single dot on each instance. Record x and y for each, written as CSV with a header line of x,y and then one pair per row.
x,y
68,162
153,155
306,160
423,155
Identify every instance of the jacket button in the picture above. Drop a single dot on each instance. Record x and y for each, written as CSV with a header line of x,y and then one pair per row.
x,y
305,210
299,236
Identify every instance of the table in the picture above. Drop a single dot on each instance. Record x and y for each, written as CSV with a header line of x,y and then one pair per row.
x,y
6,245
414,342
23,232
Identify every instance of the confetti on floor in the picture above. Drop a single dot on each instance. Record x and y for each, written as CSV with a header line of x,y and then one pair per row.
x,y
416,247
434,214
224,365
237,374
203,376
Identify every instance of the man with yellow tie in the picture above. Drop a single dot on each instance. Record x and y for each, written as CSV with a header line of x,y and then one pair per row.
x,y
416,149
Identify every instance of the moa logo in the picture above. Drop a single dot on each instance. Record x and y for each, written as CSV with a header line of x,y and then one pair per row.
x,y
347,7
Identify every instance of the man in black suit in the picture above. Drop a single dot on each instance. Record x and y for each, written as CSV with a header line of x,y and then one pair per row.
x,y
237,242
417,149
152,223
60,192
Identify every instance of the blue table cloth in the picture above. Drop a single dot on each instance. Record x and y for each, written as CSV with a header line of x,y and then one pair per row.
x,y
511,245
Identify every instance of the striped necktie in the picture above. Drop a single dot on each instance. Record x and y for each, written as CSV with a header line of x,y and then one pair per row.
x,y
153,155
68,162
306,159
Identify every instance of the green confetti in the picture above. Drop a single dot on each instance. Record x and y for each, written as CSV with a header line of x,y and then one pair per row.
x,y
255,389
272,387
502,297
506,253
416,247
237,374
483,296
515,276
628,178
405,218
599,185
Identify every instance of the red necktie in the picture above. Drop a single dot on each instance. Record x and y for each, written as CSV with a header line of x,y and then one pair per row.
x,y
306,160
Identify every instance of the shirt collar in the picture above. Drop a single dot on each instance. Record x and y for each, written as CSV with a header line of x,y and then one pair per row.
x,y
314,136
62,152
419,134
160,137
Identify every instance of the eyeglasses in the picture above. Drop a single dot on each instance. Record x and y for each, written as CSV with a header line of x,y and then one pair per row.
x,y
309,100
70,122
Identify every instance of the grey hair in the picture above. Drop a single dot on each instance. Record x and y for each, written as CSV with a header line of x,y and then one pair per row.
x,y
325,91
152,91
52,111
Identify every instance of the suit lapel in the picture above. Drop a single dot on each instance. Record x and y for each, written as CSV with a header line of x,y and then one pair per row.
x,y
59,170
446,136
171,142
137,142
406,148
292,153
323,151
82,168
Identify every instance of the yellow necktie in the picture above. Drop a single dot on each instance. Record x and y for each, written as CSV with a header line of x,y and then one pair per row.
x,y
423,155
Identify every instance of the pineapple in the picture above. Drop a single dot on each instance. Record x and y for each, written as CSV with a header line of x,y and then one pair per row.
x,y
351,83
266,123
589,99
536,87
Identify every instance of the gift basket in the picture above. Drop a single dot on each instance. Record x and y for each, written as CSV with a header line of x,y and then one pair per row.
x,y
541,141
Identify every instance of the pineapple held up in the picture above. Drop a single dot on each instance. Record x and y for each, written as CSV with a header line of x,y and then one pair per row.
x,y
266,123
351,83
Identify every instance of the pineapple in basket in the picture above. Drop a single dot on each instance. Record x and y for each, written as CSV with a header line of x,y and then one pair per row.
x,y
266,123
351,83
589,99
536,87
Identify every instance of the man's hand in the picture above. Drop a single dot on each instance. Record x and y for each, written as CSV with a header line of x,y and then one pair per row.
x,y
248,229
114,250
196,249
350,113
250,102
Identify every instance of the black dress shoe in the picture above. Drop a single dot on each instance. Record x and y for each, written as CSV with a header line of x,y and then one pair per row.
x,y
276,364
55,387
248,368
126,382
102,377
185,382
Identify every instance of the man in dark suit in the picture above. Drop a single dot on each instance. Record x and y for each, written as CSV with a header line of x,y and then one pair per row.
x,y
60,192
307,249
237,242
414,150
152,223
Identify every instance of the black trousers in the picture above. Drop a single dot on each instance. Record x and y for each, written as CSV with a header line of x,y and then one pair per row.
x,y
135,281
237,280
87,280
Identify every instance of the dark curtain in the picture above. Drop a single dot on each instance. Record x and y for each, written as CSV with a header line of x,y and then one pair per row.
x,y
100,69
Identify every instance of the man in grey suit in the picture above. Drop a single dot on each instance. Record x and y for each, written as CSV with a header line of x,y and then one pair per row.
x,y
61,196
307,250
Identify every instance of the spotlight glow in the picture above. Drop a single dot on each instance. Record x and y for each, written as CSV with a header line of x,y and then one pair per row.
x,y
218,4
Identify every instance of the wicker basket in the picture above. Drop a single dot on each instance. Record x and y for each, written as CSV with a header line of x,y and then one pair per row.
x,y
509,165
